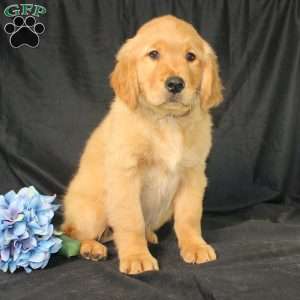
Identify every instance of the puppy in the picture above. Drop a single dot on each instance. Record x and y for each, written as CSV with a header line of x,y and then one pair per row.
x,y
145,163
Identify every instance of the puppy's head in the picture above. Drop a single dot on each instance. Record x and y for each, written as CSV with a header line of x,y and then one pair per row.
x,y
168,68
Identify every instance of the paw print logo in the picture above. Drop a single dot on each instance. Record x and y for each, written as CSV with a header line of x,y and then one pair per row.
x,y
24,32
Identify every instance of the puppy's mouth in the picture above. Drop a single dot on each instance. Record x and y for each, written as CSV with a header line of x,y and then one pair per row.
x,y
171,105
174,98
175,106
178,105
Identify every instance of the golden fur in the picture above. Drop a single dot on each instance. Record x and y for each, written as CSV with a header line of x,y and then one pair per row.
x,y
145,163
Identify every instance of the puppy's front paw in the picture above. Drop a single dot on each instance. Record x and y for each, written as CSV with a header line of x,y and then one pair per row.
x,y
197,253
93,250
134,264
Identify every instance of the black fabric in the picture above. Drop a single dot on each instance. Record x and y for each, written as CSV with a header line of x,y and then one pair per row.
x,y
52,96
259,259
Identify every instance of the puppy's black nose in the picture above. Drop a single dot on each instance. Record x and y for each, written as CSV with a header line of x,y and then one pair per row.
x,y
174,84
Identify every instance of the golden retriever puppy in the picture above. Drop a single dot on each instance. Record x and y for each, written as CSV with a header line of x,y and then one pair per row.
x,y
145,163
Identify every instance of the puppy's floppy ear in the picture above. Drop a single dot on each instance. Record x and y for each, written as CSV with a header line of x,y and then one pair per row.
x,y
123,79
211,86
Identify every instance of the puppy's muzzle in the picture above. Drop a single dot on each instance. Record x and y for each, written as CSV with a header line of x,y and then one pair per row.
x,y
174,85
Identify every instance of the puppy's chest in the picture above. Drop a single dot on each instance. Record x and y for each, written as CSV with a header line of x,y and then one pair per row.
x,y
162,177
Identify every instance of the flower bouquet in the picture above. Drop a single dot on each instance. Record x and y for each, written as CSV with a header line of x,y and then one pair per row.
x,y
26,232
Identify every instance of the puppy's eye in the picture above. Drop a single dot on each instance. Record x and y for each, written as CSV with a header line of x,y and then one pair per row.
x,y
190,56
154,54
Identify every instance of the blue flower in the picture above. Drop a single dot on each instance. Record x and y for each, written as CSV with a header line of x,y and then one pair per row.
x,y
26,232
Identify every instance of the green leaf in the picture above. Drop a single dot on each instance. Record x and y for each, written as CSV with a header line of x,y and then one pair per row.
x,y
69,247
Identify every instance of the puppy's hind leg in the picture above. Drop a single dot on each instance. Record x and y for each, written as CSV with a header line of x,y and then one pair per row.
x,y
151,236
85,221
91,249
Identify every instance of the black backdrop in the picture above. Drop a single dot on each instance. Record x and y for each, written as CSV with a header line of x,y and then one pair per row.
x,y
54,95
